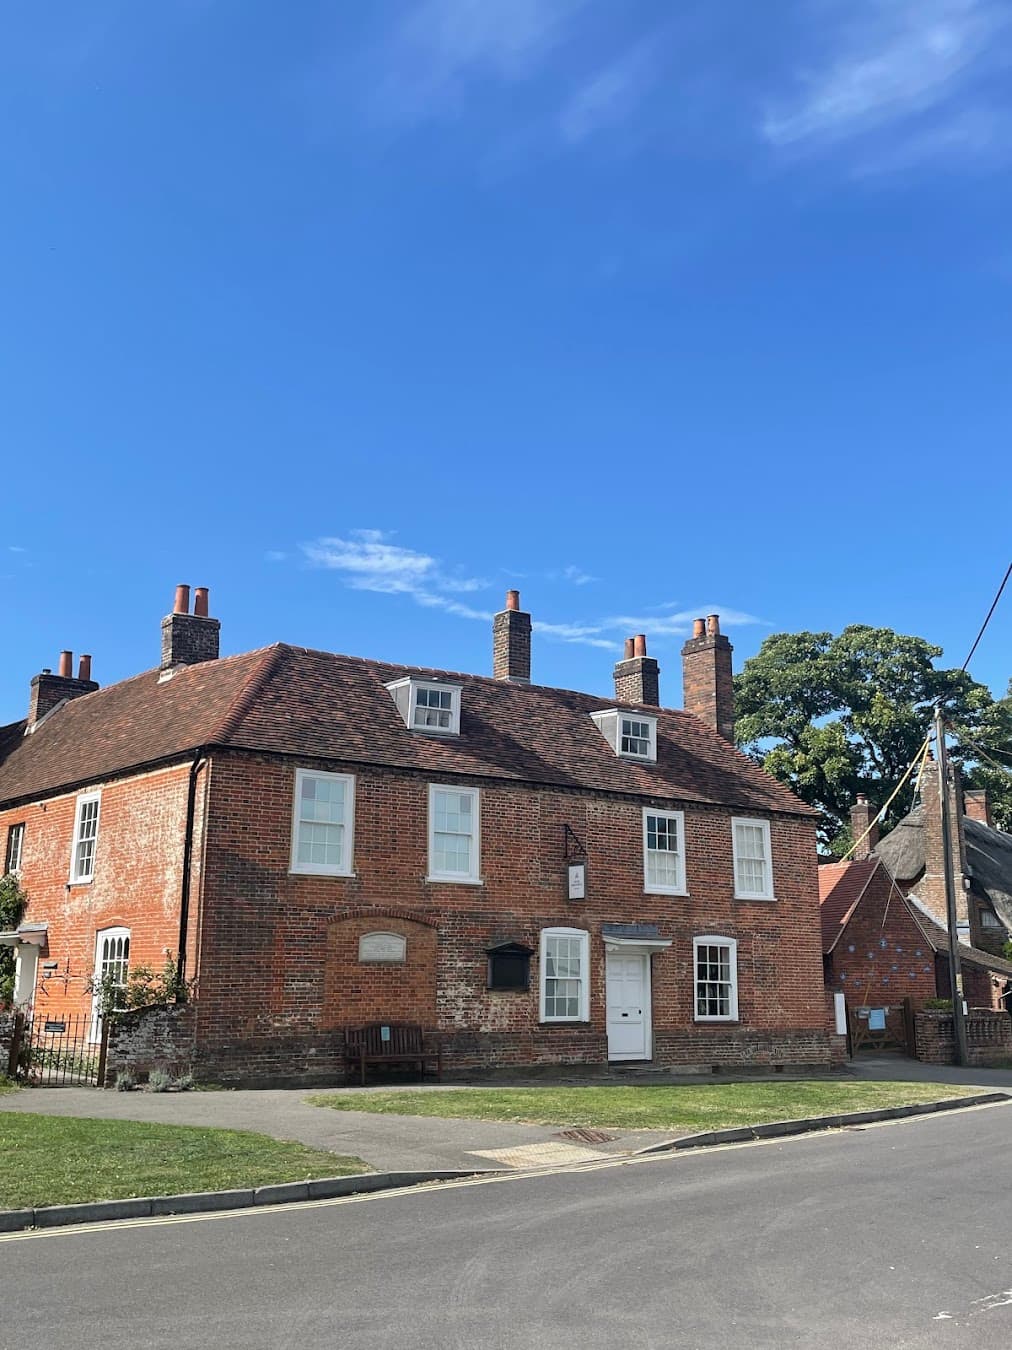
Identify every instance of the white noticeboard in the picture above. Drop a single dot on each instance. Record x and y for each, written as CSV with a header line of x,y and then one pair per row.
x,y
577,881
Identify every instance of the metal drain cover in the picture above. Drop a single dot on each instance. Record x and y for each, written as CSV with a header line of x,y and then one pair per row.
x,y
585,1136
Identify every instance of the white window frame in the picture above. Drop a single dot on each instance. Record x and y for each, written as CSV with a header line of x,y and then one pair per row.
x,y
651,737
473,877
764,825
584,937
104,935
15,848
414,686
715,940
654,887
346,869
77,877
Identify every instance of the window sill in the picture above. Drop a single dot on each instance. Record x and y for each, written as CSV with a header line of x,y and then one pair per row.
x,y
717,1021
666,890
83,881
762,899
564,1022
314,872
454,881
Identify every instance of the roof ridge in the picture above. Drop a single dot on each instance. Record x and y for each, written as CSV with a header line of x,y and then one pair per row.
x,y
248,694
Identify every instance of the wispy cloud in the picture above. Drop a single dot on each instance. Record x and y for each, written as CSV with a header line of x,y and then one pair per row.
x,y
445,46
16,548
609,95
368,561
896,66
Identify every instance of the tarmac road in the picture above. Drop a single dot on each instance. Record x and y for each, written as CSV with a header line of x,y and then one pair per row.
x,y
881,1237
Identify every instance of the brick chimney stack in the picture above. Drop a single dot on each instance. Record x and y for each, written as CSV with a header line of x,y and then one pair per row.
x,y
863,827
49,691
708,692
637,676
511,642
977,802
188,639
930,890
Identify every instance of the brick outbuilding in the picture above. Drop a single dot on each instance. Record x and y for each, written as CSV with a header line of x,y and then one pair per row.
x,y
540,876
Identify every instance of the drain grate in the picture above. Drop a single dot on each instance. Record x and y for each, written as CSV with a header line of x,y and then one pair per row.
x,y
585,1136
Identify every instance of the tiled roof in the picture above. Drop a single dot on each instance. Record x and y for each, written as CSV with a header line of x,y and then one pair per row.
x,y
841,886
314,704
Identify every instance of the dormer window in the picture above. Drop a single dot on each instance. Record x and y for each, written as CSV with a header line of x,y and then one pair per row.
x,y
428,705
630,735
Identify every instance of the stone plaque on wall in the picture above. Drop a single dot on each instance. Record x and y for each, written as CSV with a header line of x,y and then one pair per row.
x,y
382,948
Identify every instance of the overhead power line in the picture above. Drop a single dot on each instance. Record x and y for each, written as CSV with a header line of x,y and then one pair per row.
x,y
994,606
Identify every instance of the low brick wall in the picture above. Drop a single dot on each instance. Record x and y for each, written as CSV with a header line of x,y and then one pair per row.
x,y
159,1037
988,1038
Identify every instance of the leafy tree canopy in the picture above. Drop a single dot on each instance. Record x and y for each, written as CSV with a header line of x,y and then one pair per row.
x,y
835,716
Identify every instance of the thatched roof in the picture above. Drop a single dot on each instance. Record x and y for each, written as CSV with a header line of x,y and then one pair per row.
x,y
988,858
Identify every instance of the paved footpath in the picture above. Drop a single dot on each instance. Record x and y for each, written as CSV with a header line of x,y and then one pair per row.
x,y
386,1143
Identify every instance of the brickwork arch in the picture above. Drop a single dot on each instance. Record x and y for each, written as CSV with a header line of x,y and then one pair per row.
x,y
356,992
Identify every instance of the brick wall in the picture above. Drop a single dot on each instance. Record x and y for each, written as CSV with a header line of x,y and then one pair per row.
x,y
882,956
278,960
988,1036
159,1037
136,885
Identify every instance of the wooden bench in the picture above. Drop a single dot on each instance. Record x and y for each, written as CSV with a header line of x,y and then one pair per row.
x,y
391,1043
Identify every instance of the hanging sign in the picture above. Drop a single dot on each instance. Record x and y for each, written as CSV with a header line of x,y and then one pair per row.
x,y
577,880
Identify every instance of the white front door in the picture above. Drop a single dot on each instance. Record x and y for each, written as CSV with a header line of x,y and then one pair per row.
x,y
627,976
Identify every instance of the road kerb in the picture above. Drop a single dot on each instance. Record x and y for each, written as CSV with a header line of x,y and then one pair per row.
x,y
810,1124
196,1202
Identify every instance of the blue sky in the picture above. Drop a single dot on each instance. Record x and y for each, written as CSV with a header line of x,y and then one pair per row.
x,y
359,314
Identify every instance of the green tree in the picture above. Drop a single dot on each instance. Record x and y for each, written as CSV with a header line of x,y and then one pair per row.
x,y
13,903
835,716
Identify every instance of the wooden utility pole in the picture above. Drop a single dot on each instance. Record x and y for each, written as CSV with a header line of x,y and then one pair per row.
x,y
955,974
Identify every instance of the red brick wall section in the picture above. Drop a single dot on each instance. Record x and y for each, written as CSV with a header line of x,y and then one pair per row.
x,y
988,1036
882,956
160,1037
278,953
138,874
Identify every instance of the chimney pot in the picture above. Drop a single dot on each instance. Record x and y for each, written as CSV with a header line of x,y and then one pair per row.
x,y
512,599
629,649
712,625
637,676
66,666
640,645
84,668
698,628
189,639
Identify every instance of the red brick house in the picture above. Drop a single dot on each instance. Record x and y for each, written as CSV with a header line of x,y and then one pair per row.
x,y
881,942
543,876
982,867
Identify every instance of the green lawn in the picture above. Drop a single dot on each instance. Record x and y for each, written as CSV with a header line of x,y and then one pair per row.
x,y
52,1160
7,1085
707,1106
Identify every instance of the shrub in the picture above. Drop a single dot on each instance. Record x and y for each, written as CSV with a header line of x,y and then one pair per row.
x,y
938,1005
183,1083
125,1081
159,1080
